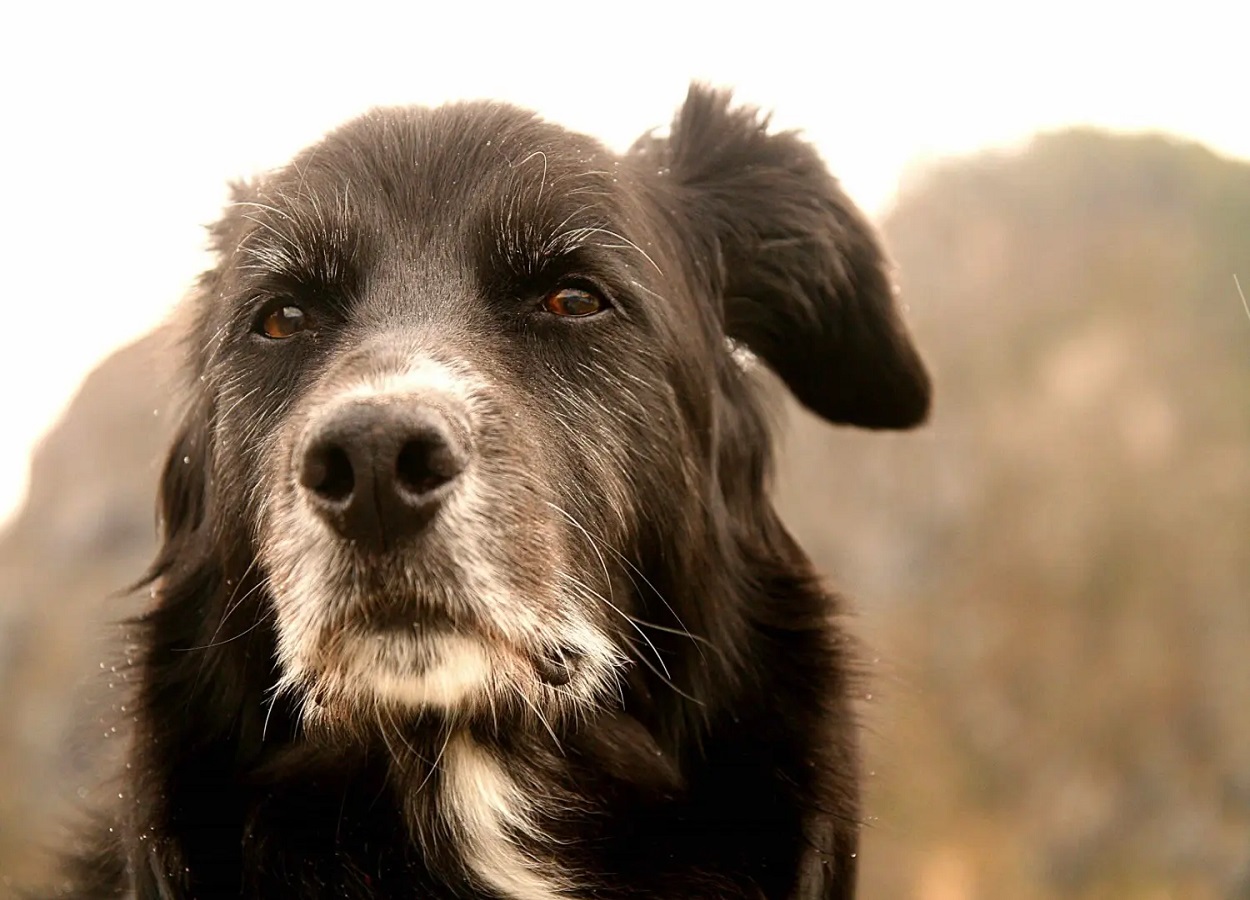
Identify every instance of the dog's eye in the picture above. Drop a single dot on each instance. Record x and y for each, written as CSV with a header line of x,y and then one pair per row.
x,y
574,302
283,322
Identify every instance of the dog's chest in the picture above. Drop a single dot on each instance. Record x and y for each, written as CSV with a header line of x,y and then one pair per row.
x,y
495,820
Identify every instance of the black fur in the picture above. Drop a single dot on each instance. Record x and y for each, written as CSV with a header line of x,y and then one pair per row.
x,y
727,767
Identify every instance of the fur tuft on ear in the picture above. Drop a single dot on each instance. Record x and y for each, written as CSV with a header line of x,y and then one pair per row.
x,y
800,272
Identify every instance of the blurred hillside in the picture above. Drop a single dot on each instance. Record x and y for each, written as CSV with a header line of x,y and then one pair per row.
x,y
1053,578
85,533
1056,575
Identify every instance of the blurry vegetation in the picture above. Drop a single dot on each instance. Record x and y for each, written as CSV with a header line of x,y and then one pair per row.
x,y
1056,575
1052,579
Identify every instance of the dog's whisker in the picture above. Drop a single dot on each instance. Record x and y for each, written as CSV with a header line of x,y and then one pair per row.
x,y
664,676
399,732
593,595
682,629
222,643
433,767
379,712
274,693
541,718
235,601
231,606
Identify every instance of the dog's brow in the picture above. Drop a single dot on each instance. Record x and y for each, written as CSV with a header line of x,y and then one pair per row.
x,y
529,239
294,246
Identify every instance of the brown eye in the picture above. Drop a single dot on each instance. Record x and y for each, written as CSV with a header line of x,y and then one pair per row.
x,y
573,302
283,322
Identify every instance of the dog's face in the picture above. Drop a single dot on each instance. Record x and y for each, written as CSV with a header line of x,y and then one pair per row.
x,y
460,371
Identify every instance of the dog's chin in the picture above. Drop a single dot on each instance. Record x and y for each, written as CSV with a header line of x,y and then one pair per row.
x,y
449,674
442,672
446,671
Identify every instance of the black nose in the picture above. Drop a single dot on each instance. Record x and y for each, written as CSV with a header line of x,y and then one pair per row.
x,y
378,472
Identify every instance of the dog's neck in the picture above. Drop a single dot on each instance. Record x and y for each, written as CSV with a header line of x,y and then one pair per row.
x,y
516,811
496,821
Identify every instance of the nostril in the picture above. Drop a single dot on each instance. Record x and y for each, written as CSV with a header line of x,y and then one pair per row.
x,y
328,473
424,464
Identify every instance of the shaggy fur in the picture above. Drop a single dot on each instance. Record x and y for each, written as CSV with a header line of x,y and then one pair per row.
x,y
596,665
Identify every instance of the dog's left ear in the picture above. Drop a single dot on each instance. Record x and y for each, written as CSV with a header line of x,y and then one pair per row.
x,y
801,275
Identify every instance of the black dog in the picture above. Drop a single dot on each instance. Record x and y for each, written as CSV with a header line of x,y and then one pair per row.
x,y
471,586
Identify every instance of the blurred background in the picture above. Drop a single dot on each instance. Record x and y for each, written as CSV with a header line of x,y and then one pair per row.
x,y
1052,579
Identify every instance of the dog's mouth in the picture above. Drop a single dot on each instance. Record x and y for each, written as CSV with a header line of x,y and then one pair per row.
x,y
424,619
477,626
556,667
428,658
415,645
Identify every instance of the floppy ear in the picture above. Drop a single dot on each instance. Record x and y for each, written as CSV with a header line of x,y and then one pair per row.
x,y
800,272
182,495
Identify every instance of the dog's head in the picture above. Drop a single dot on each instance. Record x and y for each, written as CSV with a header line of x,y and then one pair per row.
x,y
466,385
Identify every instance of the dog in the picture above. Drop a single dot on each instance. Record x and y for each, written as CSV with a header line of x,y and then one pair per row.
x,y
470,585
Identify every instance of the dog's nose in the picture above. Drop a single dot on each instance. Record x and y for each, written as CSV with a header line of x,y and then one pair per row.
x,y
378,472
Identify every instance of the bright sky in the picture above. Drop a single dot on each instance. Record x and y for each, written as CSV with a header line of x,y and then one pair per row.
x,y
123,121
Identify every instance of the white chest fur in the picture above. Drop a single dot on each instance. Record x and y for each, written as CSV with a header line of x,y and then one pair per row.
x,y
489,810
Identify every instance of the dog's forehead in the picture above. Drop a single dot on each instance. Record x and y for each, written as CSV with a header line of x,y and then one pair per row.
x,y
470,187
441,164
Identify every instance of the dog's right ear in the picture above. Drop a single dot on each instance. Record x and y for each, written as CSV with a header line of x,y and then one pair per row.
x,y
798,271
183,500
182,496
